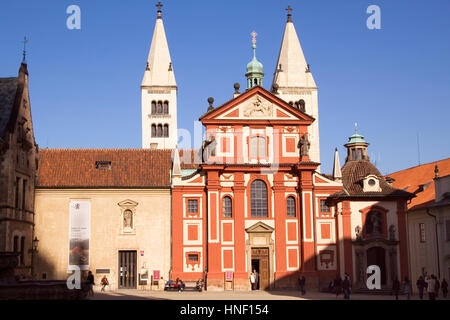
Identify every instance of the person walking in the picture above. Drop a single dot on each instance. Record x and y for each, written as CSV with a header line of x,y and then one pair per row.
x,y
346,286
396,287
421,284
444,287
90,279
104,283
256,279
437,287
253,280
302,282
431,287
337,284
407,288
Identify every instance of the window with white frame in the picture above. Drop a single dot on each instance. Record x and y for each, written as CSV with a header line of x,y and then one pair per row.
x,y
258,147
193,206
290,206
422,235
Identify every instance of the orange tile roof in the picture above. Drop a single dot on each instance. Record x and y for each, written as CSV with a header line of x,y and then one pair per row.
x,y
416,178
71,168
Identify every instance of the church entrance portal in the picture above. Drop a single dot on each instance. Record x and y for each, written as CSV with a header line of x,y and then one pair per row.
x,y
127,269
260,263
377,256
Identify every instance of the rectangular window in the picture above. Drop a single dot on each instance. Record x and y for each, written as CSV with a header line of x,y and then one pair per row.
x,y
422,232
24,193
258,147
193,206
193,257
323,206
447,229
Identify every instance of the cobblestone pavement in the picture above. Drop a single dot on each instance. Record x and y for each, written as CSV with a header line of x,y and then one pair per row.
x,y
230,295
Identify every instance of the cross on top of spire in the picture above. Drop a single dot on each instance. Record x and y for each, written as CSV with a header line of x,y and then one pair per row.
x,y
254,34
25,41
159,5
289,9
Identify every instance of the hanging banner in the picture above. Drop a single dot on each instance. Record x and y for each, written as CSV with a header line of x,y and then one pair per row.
x,y
79,234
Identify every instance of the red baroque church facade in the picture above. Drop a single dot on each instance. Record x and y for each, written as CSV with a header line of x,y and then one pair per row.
x,y
255,202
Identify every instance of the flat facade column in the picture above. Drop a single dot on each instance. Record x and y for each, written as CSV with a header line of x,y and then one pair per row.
x,y
280,225
402,238
307,222
240,273
215,276
348,246
177,233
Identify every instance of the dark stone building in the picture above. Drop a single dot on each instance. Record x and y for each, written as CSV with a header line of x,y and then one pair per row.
x,y
18,165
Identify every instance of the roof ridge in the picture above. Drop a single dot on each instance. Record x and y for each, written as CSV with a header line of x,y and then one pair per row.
x,y
421,165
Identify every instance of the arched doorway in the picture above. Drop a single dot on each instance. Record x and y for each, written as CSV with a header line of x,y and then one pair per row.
x,y
377,256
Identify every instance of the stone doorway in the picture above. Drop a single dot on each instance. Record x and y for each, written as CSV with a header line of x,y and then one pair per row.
x,y
260,254
377,256
260,263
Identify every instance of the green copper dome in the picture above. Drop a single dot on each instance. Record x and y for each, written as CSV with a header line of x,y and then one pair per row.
x,y
254,70
356,138
254,65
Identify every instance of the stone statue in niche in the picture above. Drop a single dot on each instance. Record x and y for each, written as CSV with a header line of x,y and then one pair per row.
x,y
392,232
358,233
128,220
375,220
304,146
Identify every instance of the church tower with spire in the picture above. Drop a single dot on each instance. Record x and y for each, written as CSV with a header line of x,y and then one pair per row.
x,y
159,94
294,83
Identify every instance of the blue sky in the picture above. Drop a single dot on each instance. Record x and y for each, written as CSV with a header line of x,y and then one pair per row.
x,y
85,84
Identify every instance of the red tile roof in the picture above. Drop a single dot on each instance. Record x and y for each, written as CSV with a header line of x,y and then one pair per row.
x,y
419,180
70,168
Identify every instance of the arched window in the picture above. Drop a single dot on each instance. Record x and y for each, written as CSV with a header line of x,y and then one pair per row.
x,y
258,199
153,107
166,107
160,108
291,103
22,251
153,130
166,130
290,206
227,207
160,130
302,105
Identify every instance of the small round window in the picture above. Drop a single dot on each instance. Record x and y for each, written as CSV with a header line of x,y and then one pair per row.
x,y
372,182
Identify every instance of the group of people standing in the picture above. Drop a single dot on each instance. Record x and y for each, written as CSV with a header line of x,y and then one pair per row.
x,y
339,285
432,285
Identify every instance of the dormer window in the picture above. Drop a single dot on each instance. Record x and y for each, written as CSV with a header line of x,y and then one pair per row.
x,y
371,183
103,165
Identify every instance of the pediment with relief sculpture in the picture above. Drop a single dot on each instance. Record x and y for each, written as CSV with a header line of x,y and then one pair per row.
x,y
258,104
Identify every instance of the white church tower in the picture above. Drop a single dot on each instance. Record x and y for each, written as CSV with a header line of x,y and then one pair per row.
x,y
294,83
159,94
